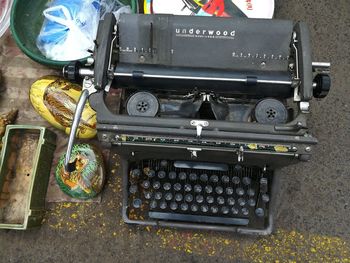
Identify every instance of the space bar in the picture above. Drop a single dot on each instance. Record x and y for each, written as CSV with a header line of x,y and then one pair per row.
x,y
199,218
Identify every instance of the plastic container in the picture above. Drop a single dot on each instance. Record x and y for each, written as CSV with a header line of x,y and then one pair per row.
x,y
25,165
5,11
26,22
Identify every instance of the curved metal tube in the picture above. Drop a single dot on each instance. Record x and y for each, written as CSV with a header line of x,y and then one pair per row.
x,y
68,166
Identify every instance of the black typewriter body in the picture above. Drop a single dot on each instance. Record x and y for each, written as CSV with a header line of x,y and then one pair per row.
x,y
208,109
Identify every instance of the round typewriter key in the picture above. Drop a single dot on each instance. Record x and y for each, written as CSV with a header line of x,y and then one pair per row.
x,y
240,191
163,205
189,198
177,187
199,199
236,180
178,197
229,191
135,173
245,211
214,209
251,192
133,189
251,202
204,178
265,198
167,186
168,196
188,188
220,200
204,208
230,201
163,163
182,176
214,178
173,206
194,208
153,204
241,202
156,185
259,212
219,190
193,176
225,179
146,184
151,173
158,195
208,189
225,210
246,180
238,167
234,210
137,203
197,188
161,174
184,207
148,195
142,104
210,199
172,175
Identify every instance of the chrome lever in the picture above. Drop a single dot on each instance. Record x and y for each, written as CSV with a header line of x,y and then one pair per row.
x,y
70,166
88,89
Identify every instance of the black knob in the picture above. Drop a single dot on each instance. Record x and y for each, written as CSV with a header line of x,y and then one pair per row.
x,y
71,71
323,85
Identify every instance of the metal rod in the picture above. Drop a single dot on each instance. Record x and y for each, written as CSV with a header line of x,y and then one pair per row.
x,y
84,72
70,167
119,74
321,65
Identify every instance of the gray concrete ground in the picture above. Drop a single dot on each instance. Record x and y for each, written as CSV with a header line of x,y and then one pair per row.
x,y
312,223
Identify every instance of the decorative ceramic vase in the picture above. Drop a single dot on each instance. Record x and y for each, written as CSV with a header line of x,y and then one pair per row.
x,y
88,178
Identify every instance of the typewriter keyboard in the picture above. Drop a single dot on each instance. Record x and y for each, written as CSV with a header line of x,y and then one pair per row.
x,y
197,192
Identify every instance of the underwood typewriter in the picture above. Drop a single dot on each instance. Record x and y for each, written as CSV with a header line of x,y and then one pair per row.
x,y
202,111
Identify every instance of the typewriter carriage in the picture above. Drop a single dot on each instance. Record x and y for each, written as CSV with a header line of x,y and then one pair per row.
x,y
176,87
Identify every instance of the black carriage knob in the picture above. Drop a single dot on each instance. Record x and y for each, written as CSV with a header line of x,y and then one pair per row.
x,y
323,85
71,71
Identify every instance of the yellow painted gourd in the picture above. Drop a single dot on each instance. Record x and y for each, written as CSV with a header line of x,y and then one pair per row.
x,y
55,99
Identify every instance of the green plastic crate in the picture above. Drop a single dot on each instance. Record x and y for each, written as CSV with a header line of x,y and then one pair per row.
x,y
25,164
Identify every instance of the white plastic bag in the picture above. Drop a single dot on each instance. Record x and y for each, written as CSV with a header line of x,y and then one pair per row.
x,y
70,27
